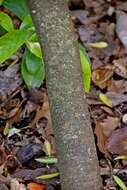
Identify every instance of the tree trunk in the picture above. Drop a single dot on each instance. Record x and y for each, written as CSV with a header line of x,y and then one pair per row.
x,y
71,122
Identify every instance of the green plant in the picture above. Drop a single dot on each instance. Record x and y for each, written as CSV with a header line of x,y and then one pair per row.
x,y
32,67
119,182
86,69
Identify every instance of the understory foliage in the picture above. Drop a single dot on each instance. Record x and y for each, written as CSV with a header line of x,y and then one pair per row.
x,y
11,39
24,37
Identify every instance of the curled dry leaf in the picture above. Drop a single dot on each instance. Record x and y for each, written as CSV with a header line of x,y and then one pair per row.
x,y
28,152
101,77
101,139
109,124
117,142
43,111
120,67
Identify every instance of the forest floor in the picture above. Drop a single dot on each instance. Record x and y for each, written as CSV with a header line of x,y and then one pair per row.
x,y
26,128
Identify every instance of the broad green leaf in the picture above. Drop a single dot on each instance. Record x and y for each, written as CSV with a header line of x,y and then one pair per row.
x,y
32,62
104,98
6,22
35,48
11,42
19,7
48,176
29,66
99,45
1,1
47,160
27,22
121,157
86,69
119,182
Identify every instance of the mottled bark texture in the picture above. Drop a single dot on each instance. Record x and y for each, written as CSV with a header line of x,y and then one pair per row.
x,y
71,123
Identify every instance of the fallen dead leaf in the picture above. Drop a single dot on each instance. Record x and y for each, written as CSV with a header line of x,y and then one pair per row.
x,y
118,86
15,185
44,111
117,142
120,67
9,81
101,138
116,98
101,77
80,15
109,124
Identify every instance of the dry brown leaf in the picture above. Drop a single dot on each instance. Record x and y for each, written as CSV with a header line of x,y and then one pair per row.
x,y
107,110
117,142
118,86
15,185
81,15
101,77
10,80
43,111
116,98
109,124
122,5
120,67
101,139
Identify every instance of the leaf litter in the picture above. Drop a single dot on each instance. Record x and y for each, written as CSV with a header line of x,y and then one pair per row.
x,y
28,158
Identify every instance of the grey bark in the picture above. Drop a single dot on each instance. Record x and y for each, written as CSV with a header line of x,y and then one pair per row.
x,y
78,162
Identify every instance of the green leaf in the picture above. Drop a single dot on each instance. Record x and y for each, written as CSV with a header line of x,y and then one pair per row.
x,y
119,182
1,1
11,42
33,37
48,176
99,45
104,98
27,22
32,70
47,160
6,22
19,7
86,69
32,62
35,48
